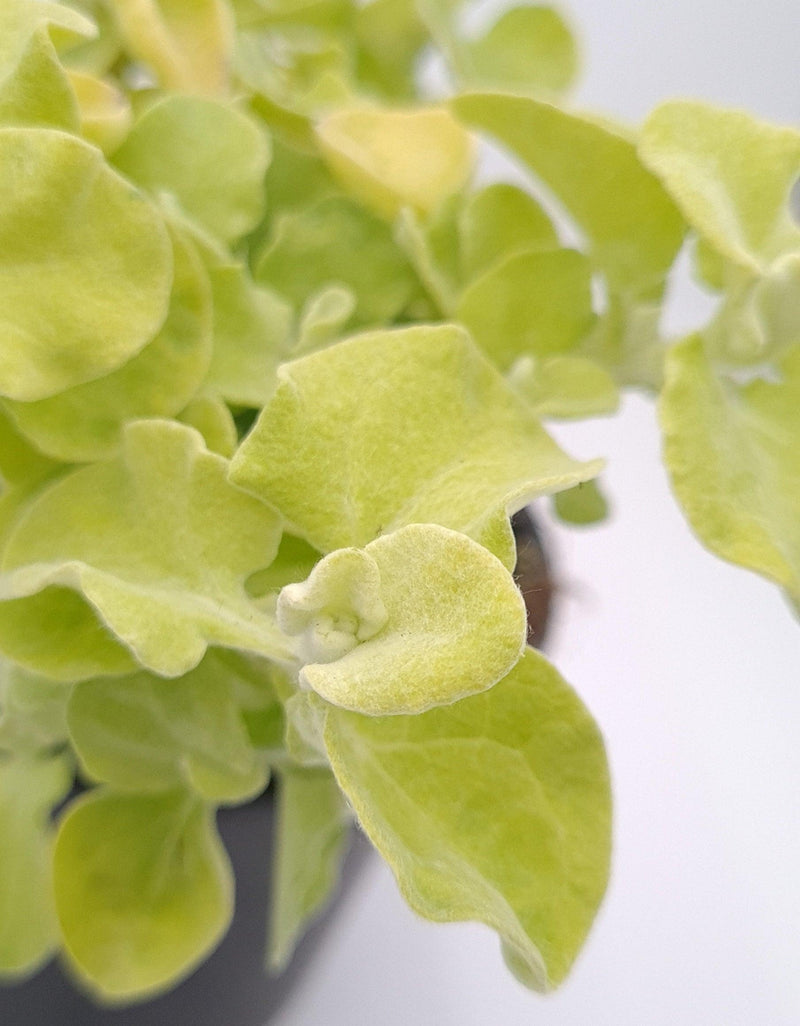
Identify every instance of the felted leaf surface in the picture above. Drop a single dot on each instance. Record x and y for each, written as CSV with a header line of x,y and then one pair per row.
x,y
337,242
424,617
207,154
732,454
144,733
532,303
158,543
85,422
29,787
731,176
211,417
97,265
144,890
496,808
37,92
634,228
388,159
311,831
393,428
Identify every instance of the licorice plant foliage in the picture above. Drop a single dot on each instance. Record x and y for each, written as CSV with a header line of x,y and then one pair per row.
x,y
273,370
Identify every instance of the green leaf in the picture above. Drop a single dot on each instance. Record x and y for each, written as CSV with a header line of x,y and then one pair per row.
x,y
394,428
311,832
89,244
37,92
336,242
34,711
29,787
105,111
390,35
389,159
528,49
144,891
21,19
633,226
158,543
733,460
499,221
532,303
294,562
419,618
731,176
187,43
324,318
211,417
433,246
144,733
20,462
584,504
496,808
208,155
565,386
86,422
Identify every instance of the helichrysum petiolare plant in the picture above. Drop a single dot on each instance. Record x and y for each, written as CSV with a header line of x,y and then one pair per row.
x,y
273,367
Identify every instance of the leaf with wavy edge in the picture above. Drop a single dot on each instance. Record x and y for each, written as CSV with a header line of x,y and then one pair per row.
x,y
144,890
564,386
399,427
389,159
97,259
496,808
311,829
37,91
33,711
731,176
211,157
105,111
21,19
86,422
143,733
634,228
159,545
29,788
732,454
419,618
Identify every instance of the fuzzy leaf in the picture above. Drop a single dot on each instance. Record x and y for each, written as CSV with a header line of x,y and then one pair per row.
x,y
37,92
86,422
144,733
144,890
33,711
311,831
419,618
388,159
496,808
92,247
208,155
565,386
733,460
393,428
581,505
29,787
158,543
531,304
731,176
633,226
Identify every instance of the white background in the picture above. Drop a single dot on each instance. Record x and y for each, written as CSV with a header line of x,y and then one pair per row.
x,y
691,667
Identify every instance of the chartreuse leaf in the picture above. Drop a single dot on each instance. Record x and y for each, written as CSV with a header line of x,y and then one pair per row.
x,y
30,786
33,710
390,35
589,166
564,386
98,55
376,155
85,422
496,808
433,246
144,890
535,303
188,43
211,417
732,456
311,831
20,462
324,318
37,92
731,176
92,248
144,733
528,49
207,154
418,618
581,505
20,19
337,242
160,551
398,427
498,221
105,111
